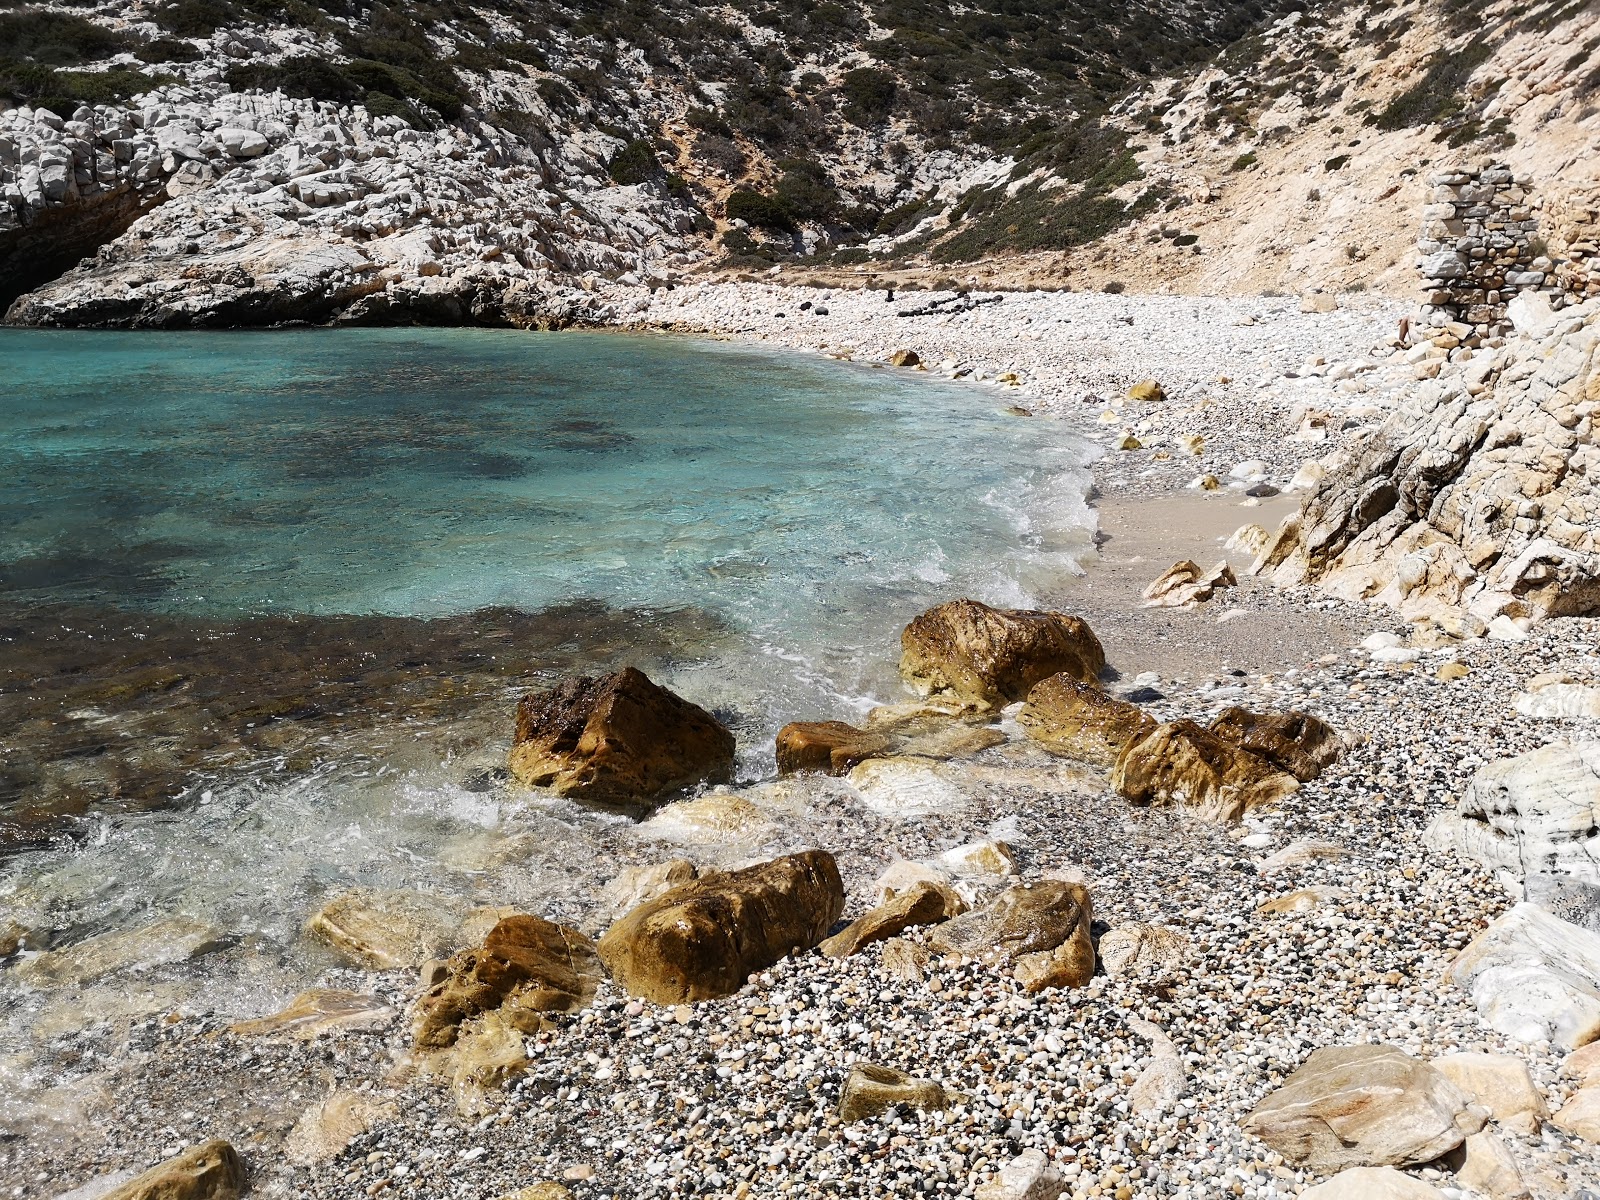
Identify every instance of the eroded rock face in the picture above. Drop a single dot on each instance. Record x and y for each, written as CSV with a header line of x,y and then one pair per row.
x,y
705,938
210,1171
1363,1106
1079,721
987,657
1535,814
832,747
617,739
1534,977
526,967
1182,764
1477,492
1040,930
1296,742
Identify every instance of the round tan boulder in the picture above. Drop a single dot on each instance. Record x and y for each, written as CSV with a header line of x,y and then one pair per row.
x,y
1078,721
210,1171
617,739
988,657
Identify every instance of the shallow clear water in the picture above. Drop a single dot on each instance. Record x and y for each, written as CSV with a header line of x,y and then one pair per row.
x,y
754,527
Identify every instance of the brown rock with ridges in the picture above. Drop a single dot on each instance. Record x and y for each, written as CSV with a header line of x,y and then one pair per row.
x,y
871,1090
210,1171
988,657
832,747
1181,763
923,903
1081,722
617,739
526,966
1041,929
704,939
1297,742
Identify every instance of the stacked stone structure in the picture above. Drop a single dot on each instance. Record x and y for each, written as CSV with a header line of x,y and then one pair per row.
x,y
1479,248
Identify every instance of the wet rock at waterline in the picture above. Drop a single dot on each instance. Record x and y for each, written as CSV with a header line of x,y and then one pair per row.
x,y
703,939
318,1011
871,1090
617,739
327,1128
1295,742
1040,930
1079,721
526,967
172,940
632,886
832,747
210,1171
923,903
986,657
384,930
1182,764
1535,814
1363,1106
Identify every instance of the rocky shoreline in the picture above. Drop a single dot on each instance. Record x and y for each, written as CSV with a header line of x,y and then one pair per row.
x,y
1324,919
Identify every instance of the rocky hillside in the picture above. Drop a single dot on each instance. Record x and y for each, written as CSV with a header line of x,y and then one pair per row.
x,y
211,162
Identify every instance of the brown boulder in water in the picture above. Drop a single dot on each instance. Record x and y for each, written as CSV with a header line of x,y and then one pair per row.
x,y
617,739
1297,742
832,747
703,939
210,1171
1181,763
1040,929
1081,722
988,657
525,967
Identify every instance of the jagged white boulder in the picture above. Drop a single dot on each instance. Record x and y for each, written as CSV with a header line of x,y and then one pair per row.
x,y
1535,978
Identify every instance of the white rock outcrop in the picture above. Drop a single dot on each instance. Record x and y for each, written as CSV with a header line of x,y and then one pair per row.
x,y
1535,978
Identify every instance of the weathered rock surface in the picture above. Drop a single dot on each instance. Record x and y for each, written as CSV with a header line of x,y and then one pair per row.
x,y
923,903
987,657
1079,721
209,1171
1040,930
1028,1176
617,739
1185,584
632,886
1180,763
1160,1084
1580,1116
1296,742
1139,948
326,1128
1372,1183
526,967
703,939
1487,1165
1499,1084
870,1090
1476,492
384,930
1535,814
172,940
318,1011
1534,977
1363,1106
832,747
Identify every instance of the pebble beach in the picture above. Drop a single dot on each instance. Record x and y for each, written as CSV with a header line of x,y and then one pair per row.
x,y
1320,921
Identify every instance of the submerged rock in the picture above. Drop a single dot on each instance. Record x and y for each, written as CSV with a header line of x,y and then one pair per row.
x,y
1041,930
1296,742
906,787
1363,1106
386,930
210,1171
617,739
870,1090
704,939
1181,763
987,657
318,1011
172,940
632,886
1080,721
526,967
326,1128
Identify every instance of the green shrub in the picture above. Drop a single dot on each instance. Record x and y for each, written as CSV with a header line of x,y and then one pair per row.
x,y
901,218
805,191
1336,163
303,77
62,92
635,163
869,94
1437,97
1247,159
55,39
850,256
167,49
195,18
764,212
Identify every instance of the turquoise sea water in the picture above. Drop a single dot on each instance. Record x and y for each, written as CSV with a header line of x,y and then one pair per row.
x,y
814,506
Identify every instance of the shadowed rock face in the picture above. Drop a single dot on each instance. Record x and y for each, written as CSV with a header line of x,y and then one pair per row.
x,y
704,939
525,967
617,739
1296,742
988,657
1180,763
1079,721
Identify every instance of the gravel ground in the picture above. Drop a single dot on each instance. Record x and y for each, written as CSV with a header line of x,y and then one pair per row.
x,y
736,1097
